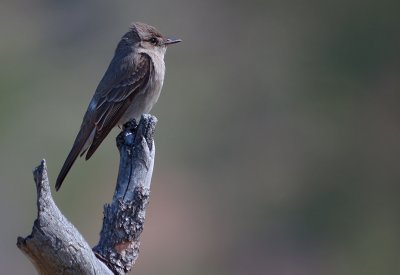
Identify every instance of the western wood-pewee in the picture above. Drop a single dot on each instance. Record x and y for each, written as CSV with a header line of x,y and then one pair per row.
x,y
129,88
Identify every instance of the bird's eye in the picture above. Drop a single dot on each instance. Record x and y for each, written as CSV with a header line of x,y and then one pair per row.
x,y
153,41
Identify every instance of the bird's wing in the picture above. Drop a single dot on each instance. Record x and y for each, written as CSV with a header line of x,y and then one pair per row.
x,y
112,101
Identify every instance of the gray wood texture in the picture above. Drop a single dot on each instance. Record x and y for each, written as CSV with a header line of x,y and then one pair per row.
x,y
55,246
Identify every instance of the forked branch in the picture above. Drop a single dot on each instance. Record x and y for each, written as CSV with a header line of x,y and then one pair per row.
x,y
56,247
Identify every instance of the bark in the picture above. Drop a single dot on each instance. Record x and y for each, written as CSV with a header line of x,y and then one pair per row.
x,y
56,247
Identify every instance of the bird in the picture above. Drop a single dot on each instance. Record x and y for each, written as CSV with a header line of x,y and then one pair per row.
x,y
129,88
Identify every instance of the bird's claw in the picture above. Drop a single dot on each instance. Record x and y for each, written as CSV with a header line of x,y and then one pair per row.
x,y
131,125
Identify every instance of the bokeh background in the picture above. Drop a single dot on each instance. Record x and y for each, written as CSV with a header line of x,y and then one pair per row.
x,y
277,142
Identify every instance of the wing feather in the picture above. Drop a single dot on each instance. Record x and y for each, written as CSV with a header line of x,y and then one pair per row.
x,y
116,91
115,103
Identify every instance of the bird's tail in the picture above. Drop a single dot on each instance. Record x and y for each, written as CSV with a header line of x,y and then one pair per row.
x,y
80,145
67,166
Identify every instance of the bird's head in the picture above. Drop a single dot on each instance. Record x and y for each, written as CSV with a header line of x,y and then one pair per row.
x,y
148,38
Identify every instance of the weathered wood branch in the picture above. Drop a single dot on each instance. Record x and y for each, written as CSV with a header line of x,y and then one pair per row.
x,y
124,217
56,247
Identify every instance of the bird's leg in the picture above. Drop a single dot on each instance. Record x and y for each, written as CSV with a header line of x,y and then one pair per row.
x,y
130,125
128,133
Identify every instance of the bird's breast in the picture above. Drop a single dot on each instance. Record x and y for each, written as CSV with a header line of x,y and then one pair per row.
x,y
145,99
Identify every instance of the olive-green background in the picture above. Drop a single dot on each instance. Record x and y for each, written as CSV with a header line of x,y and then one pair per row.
x,y
277,142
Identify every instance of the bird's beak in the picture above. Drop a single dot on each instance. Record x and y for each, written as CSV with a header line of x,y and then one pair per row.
x,y
170,41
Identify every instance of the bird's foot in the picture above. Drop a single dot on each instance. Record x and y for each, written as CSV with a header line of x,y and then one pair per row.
x,y
127,134
131,125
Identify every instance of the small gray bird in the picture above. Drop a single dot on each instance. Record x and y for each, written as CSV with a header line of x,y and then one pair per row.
x,y
129,88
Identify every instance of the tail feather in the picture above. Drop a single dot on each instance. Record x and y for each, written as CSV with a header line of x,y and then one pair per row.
x,y
67,166
81,143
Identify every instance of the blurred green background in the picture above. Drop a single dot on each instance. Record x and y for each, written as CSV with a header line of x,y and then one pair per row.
x,y
277,142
